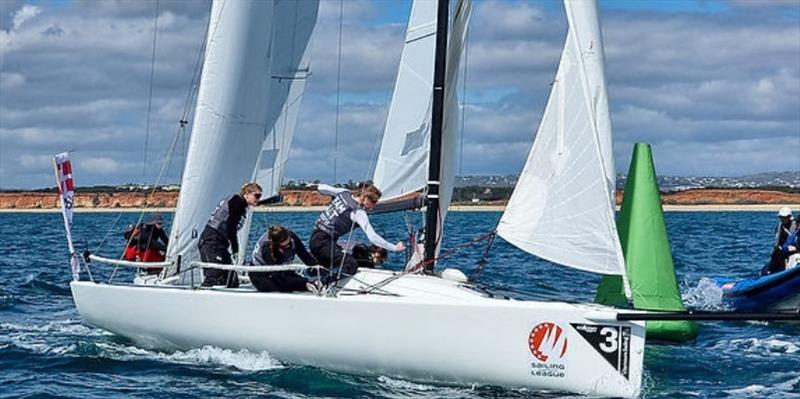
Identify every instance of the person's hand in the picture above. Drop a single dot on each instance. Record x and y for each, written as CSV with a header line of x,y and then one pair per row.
x,y
792,248
399,247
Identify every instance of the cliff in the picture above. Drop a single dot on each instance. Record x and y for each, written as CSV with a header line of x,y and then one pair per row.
x,y
168,199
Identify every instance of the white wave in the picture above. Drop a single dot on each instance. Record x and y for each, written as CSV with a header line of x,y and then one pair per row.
x,y
41,339
67,327
776,345
241,359
786,389
705,295
405,389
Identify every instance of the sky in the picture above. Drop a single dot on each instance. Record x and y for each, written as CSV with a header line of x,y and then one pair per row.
x,y
712,85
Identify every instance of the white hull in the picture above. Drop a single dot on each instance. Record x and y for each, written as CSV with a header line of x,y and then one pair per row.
x,y
432,329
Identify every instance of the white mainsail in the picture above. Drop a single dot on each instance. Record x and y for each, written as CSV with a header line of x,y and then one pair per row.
x,y
402,165
562,208
293,28
231,115
290,54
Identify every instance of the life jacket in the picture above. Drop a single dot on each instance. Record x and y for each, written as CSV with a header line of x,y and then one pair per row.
x,y
151,255
219,218
335,219
286,257
132,252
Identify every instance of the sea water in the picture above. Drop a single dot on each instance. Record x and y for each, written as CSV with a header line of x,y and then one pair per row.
x,y
46,351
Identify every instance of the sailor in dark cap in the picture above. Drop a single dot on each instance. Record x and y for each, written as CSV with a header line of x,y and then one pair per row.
x,y
152,242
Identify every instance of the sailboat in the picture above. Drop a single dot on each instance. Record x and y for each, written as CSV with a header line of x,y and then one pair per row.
x,y
423,326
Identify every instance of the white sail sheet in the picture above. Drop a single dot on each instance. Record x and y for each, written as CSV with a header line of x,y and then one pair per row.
x,y
231,114
290,54
293,28
562,208
450,133
402,165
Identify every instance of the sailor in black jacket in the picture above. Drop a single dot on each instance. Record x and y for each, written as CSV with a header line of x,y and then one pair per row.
x,y
220,234
278,246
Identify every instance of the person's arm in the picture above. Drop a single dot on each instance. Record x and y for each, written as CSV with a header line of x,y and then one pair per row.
x,y
330,191
307,258
237,207
162,235
261,254
360,217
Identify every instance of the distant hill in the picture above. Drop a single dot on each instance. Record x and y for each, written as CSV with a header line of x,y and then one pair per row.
x,y
777,180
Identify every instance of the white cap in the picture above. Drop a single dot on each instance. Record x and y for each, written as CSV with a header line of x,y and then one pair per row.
x,y
785,211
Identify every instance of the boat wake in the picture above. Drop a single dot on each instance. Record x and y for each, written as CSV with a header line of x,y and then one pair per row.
x,y
774,346
243,359
71,339
43,282
785,389
706,295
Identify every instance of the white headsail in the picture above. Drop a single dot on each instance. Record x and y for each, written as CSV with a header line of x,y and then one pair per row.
x,y
562,208
402,165
290,54
231,114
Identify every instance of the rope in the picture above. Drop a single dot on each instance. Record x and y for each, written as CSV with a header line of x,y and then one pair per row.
x,y
421,265
338,92
150,93
473,278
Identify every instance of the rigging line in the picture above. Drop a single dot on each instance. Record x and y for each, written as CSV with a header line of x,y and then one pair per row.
x,y
150,92
421,265
338,92
463,103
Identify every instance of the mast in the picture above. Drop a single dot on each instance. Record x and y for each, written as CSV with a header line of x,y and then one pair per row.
x,y
437,118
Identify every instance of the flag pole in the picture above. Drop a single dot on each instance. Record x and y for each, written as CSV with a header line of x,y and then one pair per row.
x,y
66,208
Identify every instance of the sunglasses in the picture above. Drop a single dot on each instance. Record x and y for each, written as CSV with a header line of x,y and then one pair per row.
x,y
256,195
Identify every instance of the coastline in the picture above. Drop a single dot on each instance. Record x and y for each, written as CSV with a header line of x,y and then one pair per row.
x,y
453,208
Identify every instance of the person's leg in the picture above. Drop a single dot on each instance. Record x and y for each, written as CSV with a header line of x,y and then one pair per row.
x,y
214,252
263,282
343,261
777,262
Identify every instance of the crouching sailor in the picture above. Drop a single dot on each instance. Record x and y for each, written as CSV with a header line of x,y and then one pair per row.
x,y
278,246
345,211
220,234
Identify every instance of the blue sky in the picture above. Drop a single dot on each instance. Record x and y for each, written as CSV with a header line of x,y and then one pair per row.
x,y
713,85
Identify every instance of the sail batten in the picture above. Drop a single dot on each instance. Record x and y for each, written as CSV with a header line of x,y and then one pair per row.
x,y
562,209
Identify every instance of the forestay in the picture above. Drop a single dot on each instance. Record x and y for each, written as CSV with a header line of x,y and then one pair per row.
x,y
230,121
293,28
562,208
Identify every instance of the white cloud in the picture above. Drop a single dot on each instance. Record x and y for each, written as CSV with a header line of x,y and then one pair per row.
x,y
100,165
77,76
24,14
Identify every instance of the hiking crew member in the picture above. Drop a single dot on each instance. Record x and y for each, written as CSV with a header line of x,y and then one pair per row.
x,y
220,234
367,256
131,243
345,211
152,242
278,246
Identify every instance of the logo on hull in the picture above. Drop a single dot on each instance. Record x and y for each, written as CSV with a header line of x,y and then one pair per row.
x,y
547,340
